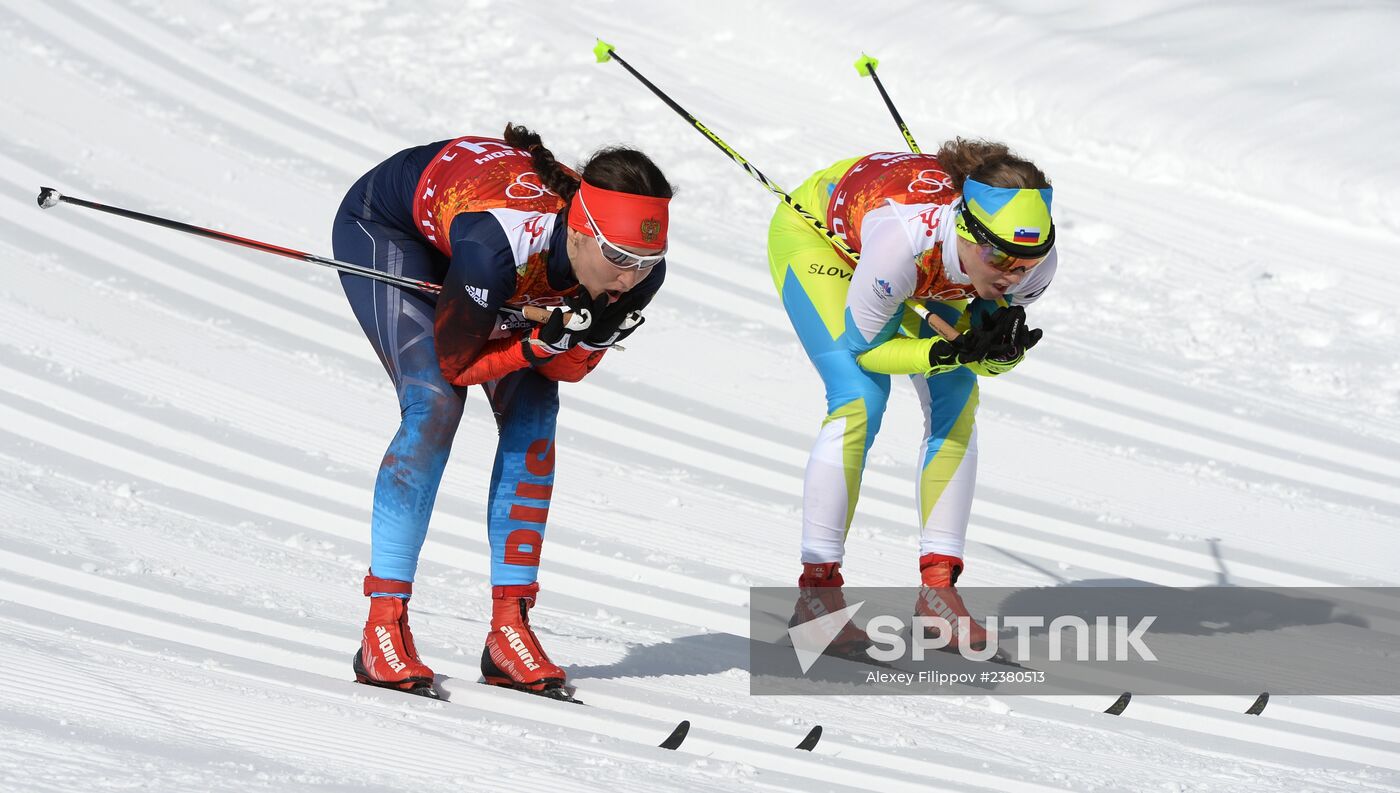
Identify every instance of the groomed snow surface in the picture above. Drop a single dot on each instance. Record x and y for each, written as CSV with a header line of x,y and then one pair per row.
x,y
189,432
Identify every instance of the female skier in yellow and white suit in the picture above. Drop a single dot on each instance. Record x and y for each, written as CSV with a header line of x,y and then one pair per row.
x,y
967,233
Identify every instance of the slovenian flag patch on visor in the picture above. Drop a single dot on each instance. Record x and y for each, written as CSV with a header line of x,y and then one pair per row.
x,y
1025,234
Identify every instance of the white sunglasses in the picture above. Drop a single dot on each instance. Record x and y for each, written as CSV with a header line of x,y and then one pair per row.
x,y
617,257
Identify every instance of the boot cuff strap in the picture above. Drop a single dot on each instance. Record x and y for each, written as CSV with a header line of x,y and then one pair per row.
x,y
387,585
929,559
512,591
826,574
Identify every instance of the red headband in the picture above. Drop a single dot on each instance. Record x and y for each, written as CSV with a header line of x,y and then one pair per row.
x,y
624,218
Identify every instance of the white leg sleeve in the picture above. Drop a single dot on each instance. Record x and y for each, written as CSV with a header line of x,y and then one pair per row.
x,y
825,502
947,478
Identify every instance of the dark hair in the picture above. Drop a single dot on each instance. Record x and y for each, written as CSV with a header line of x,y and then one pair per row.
x,y
989,163
613,168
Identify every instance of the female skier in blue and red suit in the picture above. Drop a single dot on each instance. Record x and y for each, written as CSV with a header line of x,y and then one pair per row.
x,y
502,226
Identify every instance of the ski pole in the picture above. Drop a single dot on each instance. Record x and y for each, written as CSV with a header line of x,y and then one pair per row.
x,y
49,197
866,65
604,52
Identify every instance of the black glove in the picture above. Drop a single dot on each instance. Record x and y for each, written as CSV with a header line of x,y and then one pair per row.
x,y
554,336
617,321
1010,337
1002,336
1015,340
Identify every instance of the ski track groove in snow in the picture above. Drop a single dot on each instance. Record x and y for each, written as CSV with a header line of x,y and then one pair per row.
x,y
238,702
743,743
547,715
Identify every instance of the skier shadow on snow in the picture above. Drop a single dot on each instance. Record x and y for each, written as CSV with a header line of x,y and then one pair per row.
x,y
1224,639
1224,608
715,653
701,654
1198,611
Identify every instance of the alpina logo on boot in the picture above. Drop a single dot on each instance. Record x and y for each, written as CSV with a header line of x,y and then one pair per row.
x,y
386,646
940,606
813,602
518,645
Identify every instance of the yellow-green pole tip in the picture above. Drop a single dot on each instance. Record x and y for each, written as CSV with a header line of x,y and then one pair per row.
x,y
866,65
603,51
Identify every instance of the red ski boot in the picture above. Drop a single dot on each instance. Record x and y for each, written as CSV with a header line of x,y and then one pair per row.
x,y
820,594
939,598
513,656
387,656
